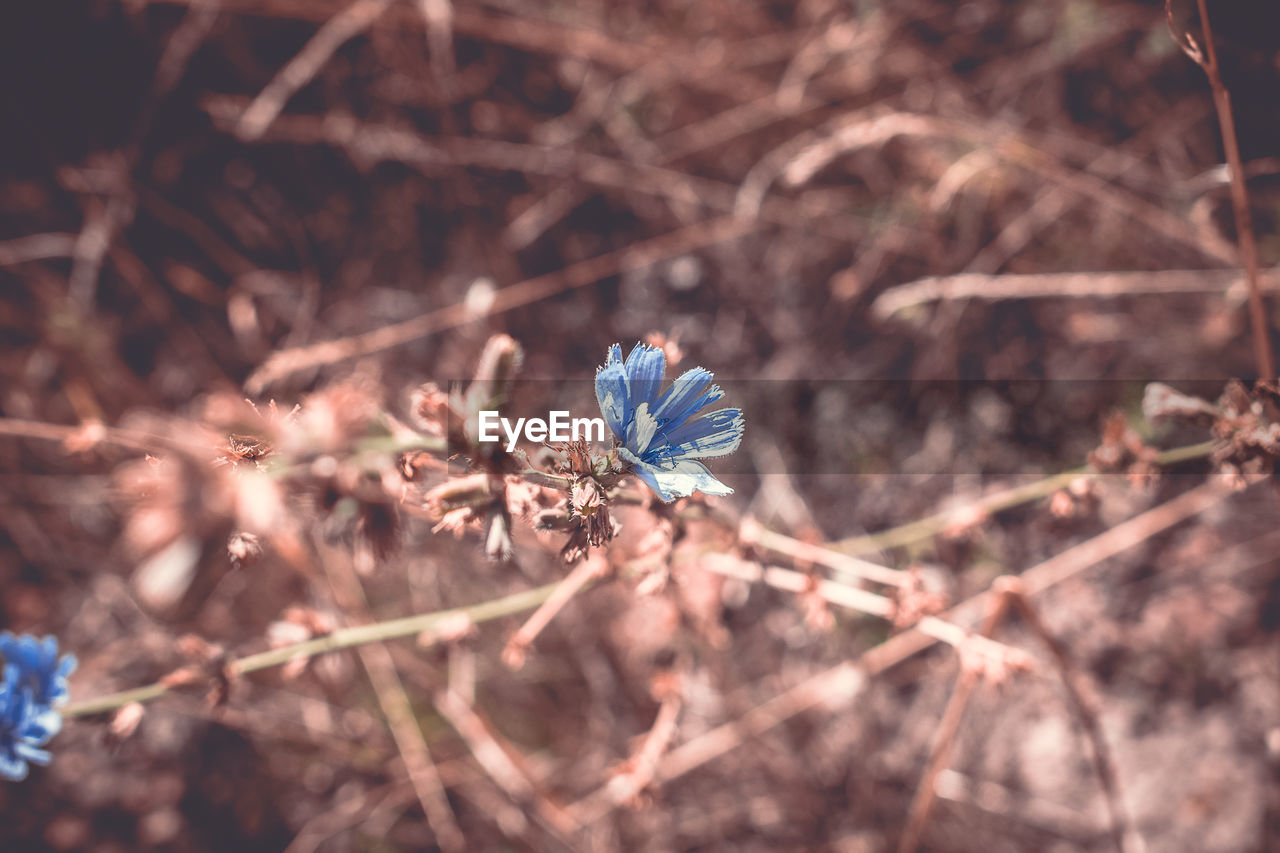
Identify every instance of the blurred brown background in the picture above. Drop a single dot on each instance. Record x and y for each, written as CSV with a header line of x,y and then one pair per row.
x,y
187,187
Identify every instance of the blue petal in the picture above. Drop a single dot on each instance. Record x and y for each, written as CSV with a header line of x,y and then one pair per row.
x,y
44,724
646,473
645,367
12,767
27,752
680,480
716,434
687,395
641,430
611,394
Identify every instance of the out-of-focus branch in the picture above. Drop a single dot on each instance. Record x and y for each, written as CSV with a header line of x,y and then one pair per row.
x,y
299,71
838,685
945,735
348,592
583,575
1207,59
932,525
344,638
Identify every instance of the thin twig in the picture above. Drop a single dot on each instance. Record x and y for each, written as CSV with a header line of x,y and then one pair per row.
x,y
945,735
755,534
103,222
299,71
835,687
343,638
1067,285
1123,831
496,761
799,159
346,814
841,683
932,525
398,711
438,17
643,766
93,433
583,575
284,363
368,143
852,598
36,247
1207,59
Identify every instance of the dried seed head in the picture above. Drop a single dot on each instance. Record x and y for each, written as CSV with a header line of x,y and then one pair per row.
x,y
924,592
587,498
430,409
244,549
1062,504
1159,401
330,420
499,364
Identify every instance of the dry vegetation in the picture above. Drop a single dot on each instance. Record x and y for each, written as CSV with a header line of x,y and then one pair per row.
x,y
982,585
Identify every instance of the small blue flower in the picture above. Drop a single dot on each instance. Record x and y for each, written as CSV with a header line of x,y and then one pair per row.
x,y
660,434
34,685
38,662
23,728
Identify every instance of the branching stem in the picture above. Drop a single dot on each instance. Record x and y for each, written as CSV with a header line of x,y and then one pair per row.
x,y
344,638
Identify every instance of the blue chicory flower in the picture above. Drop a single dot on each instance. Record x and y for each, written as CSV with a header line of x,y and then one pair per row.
x,y
22,727
34,685
660,434
41,669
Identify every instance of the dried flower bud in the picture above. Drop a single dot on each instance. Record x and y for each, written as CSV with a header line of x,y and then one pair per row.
x,y
587,499
924,592
198,648
429,406
184,676
497,544
1062,504
125,721
244,549
1159,401
330,420
499,364
515,653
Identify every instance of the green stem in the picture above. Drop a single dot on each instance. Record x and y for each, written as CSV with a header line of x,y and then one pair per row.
x,y
343,638
921,529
